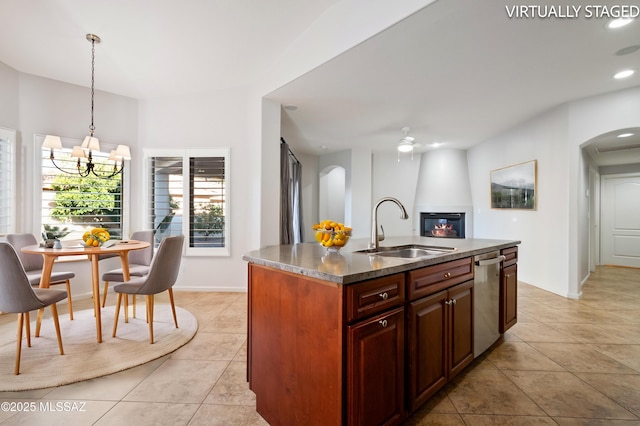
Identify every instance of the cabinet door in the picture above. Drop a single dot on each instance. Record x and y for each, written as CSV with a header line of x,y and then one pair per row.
x,y
461,325
508,297
427,328
375,375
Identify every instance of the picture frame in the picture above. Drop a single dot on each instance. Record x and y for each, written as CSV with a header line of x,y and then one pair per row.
x,y
514,187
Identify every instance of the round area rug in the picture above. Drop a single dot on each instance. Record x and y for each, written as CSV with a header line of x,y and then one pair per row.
x,y
42,366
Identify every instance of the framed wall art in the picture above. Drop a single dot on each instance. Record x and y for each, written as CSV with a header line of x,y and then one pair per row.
x,y
514,187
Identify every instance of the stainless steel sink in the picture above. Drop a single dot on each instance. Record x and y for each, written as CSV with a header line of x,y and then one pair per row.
x,y
410,251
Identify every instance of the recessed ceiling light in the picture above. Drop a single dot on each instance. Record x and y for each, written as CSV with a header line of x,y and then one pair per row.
x,y
624,74
620,22
625,135
290,107
323,147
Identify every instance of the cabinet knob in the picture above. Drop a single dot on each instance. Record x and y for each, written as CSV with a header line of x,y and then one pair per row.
x,y
383,322
384,296
447,275
447,302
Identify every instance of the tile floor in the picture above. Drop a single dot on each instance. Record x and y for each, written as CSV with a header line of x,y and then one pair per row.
x,y
566,362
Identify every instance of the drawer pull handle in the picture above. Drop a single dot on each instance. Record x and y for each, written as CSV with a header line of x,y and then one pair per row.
x,y
447,302
384,296
447,275
453,301
383,323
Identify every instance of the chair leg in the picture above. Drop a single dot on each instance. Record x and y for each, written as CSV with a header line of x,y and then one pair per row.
x,y
133,296
16,371
126,308
104,296
27,327
56,322
115,318
39,321
69,300
173,307
150,316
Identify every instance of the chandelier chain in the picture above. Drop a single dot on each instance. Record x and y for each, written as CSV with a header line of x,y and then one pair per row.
x,y
93,67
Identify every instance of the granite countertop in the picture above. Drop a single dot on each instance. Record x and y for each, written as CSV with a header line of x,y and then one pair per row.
x,y
312,260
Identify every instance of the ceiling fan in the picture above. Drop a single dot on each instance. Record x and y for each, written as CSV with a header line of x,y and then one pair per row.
x,y
407,143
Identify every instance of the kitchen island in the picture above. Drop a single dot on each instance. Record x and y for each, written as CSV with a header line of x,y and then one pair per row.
x,y
353,338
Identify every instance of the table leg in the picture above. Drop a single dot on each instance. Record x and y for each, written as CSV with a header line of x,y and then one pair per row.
x,y
45,280
95,282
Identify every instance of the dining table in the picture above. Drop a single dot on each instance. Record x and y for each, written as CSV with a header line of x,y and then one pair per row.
x,y
119,248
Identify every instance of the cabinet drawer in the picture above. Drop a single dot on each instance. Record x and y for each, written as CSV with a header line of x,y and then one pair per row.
x,y
511,255
425,281
373,296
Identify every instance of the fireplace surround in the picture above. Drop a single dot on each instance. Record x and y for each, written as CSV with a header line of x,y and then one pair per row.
x,y
442,225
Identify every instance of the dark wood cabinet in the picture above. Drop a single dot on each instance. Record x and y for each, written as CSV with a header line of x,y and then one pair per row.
x,y
364,353
509,289
375,372
440,330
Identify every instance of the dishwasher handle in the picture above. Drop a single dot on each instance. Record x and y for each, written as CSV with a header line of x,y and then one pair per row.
x,y
492,261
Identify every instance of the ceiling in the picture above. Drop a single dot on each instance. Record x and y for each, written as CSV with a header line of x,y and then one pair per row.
x,y
456,72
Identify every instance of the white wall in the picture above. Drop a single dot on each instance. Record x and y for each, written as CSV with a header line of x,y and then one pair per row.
x,y
9,87
391,178
210,120
544,253
554,253
588,118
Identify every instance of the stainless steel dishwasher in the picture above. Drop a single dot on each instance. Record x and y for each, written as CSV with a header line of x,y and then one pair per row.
x,y
486,300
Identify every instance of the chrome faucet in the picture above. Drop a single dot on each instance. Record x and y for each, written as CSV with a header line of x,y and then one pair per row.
x,y
375,238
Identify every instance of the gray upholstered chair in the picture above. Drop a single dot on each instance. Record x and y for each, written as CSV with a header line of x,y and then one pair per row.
x,y
139,263
162,276
17,296
32,264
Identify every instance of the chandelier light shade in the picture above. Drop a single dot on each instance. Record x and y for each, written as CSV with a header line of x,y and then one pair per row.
x,y
90,143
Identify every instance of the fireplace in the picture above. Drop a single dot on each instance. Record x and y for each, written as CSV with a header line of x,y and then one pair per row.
x,y
442,225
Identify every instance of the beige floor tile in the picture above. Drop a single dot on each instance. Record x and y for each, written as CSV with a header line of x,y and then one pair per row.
x,y
622,388
572,421
431,419
179,381
149,413
595,333
564,394
113,387
480,420
227,415
232,387
628,355
581,358
211,346
227,322
540,332
490,392
521,356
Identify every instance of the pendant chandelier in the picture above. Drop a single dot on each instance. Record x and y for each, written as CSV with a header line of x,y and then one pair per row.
x,y
90,144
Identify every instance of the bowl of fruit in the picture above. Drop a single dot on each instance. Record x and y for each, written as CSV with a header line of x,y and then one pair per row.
x,y
96,237
331,234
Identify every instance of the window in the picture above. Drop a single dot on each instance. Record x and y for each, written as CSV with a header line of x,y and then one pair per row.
x,y
72,204
188,194
8,175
